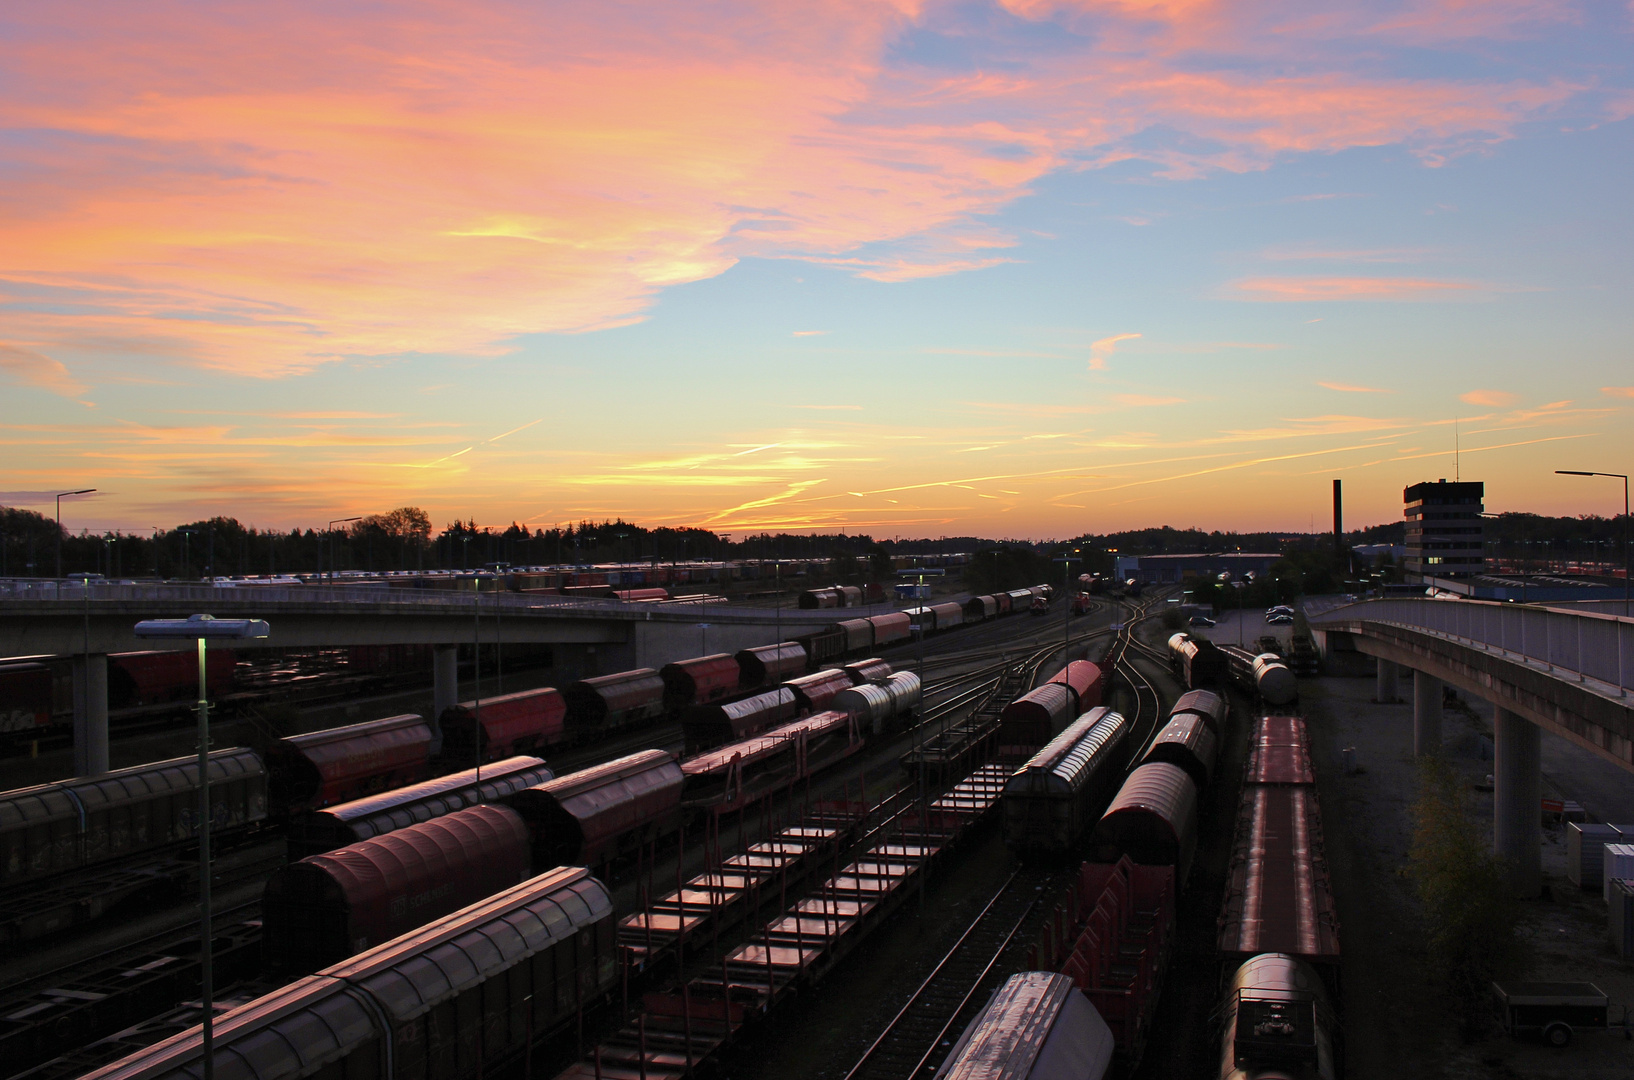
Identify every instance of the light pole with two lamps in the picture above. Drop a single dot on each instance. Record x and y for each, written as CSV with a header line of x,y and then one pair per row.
x,y
203,628
1624,478
60,497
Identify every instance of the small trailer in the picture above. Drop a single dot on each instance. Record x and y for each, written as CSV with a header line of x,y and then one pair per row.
x,y
1554,1010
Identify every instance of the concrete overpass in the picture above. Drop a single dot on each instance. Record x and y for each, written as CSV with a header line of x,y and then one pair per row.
x,y
1544,669
89,622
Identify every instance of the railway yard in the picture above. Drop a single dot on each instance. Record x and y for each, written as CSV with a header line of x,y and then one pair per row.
x,y
814,860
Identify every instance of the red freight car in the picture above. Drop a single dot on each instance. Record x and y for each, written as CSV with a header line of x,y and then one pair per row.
x,y
872,670
1278,898
326,907
25,697
526,722
1152,819
1187,742
592,815
705,726
1086,681
1280,752
700,680
768,665
156,678
891,628
813,692
609,702
1034,718
322,768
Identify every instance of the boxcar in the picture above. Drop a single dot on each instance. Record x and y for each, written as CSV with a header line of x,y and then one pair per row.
x,y
699,681
768,665
1051,801
156,678
324,908
1277,1020
859,634
1020,599
592,815
1205,703
1005,604
1086,681
361,819
850,595
1037,1026
814,692
1034,718
25,697
978,608
526,722
1197,662
56,828
1152,819
1187,742
609,702
322,768
891,628
812,599
441,1003
870,670
704,726
946,616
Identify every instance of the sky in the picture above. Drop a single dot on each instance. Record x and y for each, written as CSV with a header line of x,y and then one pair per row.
x,y
1029,268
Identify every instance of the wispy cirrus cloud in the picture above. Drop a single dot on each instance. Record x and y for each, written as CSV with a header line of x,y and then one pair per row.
x,y
1331,289
36,369
1102,350
1348,388
1489,398
268,190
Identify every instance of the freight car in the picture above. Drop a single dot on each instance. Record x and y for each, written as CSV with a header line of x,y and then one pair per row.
x,y
980,608
1152,820
859,634
892,628
1263,675
881,706
1278,1022
1037,1026
814,692
26,697
52,829
608,703
730,777
1087,682
526,722
348,823
1207,704
871,670
769,665
457,997
1034,718
322,768
704,726
592,816
324,908
1197,662
700,680
1051,801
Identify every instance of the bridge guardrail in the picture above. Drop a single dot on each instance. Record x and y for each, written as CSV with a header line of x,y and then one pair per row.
x,y
1587,645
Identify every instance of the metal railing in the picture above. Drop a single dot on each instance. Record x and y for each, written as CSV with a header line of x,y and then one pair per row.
x,y
207,596
1580,646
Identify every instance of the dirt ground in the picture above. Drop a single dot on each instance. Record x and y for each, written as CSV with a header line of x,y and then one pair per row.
x,y
1396,1023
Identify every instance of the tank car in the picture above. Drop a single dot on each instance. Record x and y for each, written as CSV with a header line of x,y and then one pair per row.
x,y
1278,1023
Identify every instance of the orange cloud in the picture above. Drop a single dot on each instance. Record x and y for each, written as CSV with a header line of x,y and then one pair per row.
x,y
1346,388
1327,289
1490,398
1101,350
1618,391
36,369
269,189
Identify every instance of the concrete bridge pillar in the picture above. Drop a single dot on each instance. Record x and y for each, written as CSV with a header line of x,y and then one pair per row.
x,y
1426,714
1518,800
445,688
1386,692
90,714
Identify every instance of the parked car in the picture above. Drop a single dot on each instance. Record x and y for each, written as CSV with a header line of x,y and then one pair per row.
x,y
1202,620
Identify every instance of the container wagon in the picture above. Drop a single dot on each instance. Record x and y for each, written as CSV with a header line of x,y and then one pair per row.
x,y
450,1000
1051,801
591,816
1037,1026
526,722
324,908
337,826
322,768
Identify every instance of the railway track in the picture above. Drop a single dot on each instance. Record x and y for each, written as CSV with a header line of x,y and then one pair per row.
x,y
920,1034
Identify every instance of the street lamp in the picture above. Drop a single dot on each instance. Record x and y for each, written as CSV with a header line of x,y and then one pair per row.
x,y
331,531
202,628
1066,562
60,497
1624,478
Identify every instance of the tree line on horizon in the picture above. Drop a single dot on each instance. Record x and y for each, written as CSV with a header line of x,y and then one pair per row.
x,y
403,539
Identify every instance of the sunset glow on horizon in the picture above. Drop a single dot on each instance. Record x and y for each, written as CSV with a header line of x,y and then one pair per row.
x,y
1017,268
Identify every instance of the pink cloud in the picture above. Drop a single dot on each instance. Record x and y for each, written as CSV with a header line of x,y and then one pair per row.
x,y
1490,398
1311,289
1618,391
268,188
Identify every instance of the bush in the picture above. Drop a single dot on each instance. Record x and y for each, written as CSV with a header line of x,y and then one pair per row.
x,y
1173,618
1469,914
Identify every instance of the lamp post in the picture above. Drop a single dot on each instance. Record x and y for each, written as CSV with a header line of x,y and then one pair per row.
x,y
202,628
1066,562
331,531
60,497
1624,478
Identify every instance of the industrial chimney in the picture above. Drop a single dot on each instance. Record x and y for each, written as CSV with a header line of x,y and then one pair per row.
x,y
1338,519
